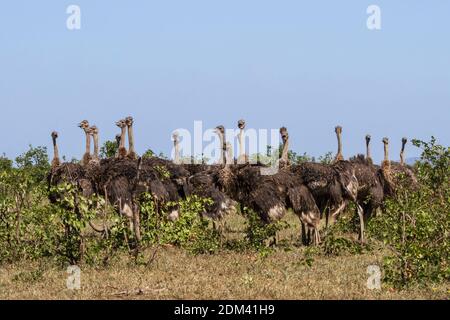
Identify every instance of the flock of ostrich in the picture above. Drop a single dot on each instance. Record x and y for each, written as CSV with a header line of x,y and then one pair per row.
x,y
313,191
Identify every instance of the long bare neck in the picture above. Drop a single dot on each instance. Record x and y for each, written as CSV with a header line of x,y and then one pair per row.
x,y
285,152
130,139
122,137
177,151
88,142
386,152
241,144
55,150
368,155
223,148
402,153
229,153
95,145
339,152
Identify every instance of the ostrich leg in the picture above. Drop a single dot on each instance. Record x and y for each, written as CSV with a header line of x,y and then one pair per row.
x,y
361,221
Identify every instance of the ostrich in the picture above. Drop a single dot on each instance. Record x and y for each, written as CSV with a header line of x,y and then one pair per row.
x,y
339,155
396,174
118,181
370,192
405,171
122,152
131,153
332,186
87,154
55,162
67,172
242,158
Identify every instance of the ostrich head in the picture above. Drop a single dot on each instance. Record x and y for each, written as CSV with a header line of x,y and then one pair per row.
x,y
93,130
129,121
284,134
84,125
368,137
404,142
220,130
121,123
54,135
338,130
241,124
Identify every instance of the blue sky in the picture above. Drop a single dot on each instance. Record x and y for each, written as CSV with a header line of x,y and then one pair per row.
x,y
306,65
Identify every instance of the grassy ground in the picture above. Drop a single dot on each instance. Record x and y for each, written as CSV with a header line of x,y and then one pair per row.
x,y
175,274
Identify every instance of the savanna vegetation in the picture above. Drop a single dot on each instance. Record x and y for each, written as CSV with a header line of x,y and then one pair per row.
x,y
237,257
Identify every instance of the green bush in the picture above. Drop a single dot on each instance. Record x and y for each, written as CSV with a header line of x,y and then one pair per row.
x,y
189,231
415,225
258,233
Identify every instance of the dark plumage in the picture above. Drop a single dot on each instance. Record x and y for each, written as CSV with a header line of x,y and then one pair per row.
x,y
332,186
204,184
72,173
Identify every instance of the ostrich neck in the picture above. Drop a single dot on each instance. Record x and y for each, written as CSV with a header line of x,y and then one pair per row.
x,y
368,150
55,149
223,148
96,145
241,143
339,152
130,138
122,137
177,154
88,143
284,154
386,152
402,155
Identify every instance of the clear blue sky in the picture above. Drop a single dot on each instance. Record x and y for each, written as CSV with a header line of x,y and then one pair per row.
x,y
307,65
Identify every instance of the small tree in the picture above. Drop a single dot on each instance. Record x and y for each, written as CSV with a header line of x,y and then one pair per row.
x,y
109,149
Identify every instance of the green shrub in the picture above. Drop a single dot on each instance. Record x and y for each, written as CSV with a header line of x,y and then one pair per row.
x,y
415,225
108,149
258,233
189,231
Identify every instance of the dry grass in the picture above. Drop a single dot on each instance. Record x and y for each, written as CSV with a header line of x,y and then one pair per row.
x,y
175,274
